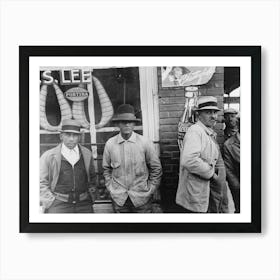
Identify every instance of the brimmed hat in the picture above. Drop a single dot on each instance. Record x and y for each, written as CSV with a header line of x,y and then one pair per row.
x,y
70,125
207,103
125,112
230,111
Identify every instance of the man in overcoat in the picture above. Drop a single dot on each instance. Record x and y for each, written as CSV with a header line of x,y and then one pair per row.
x,y
198,163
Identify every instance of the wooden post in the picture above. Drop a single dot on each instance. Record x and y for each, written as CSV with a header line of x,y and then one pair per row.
x,y
92,128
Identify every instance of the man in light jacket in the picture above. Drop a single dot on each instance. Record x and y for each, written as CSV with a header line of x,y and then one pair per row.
x,y
132,169
67,175
198,161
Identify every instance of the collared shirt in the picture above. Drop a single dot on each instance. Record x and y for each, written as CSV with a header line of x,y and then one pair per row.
x,y
71,155
208,130
131,168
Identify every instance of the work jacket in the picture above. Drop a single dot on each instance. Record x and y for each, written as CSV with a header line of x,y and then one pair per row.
x,y
131,169
197,165
232,161
50,163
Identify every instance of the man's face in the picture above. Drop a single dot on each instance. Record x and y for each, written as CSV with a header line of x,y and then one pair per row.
x,y
231,120
208,117
70,139
126,128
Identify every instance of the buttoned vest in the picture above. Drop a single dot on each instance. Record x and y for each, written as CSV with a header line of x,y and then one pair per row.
x,y
72,179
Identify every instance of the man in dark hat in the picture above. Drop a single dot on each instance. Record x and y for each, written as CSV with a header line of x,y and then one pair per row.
x,y
230,117
201,163
132,169
67,175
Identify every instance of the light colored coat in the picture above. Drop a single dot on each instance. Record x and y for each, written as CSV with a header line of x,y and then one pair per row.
x,y
197,165
131,169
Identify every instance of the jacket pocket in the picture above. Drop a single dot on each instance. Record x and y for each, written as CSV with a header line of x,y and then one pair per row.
x,y
140,168
197,188
197,178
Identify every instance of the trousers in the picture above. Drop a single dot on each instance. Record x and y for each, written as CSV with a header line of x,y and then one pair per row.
x,y
128,207
58,206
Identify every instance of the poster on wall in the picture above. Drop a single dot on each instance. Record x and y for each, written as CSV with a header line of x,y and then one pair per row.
x,y
174,76
111,130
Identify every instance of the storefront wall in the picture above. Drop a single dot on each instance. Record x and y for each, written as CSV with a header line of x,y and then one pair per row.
x,y
171,107
133,85
160,110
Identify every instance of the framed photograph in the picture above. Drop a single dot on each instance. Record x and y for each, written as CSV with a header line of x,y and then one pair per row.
x,y
120,130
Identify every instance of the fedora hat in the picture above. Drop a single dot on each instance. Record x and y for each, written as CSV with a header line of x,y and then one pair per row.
x,y
70,125
125,112
207,103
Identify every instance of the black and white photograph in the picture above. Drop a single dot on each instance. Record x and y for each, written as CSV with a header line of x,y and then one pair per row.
x,y
139,140
122,140
120,170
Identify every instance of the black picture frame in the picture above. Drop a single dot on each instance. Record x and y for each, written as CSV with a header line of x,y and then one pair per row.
x,y
254,52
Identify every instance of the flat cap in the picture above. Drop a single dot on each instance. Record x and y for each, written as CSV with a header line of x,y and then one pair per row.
x,y
230,111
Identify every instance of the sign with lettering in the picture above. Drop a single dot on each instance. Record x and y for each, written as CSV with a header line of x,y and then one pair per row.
x,y
76,94
68,77
67,90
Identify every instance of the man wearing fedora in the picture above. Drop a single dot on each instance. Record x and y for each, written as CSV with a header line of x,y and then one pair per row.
x,y
132,169
231,122
67,175
201,163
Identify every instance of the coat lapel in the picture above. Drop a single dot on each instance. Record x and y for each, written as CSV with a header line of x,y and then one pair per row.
x,y
57,162
87,158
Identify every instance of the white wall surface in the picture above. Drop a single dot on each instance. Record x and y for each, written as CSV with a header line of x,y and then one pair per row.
x,y
139,256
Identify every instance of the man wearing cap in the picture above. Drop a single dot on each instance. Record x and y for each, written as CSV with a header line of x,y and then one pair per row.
x,y
67,175
132,169
201,163
230,116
